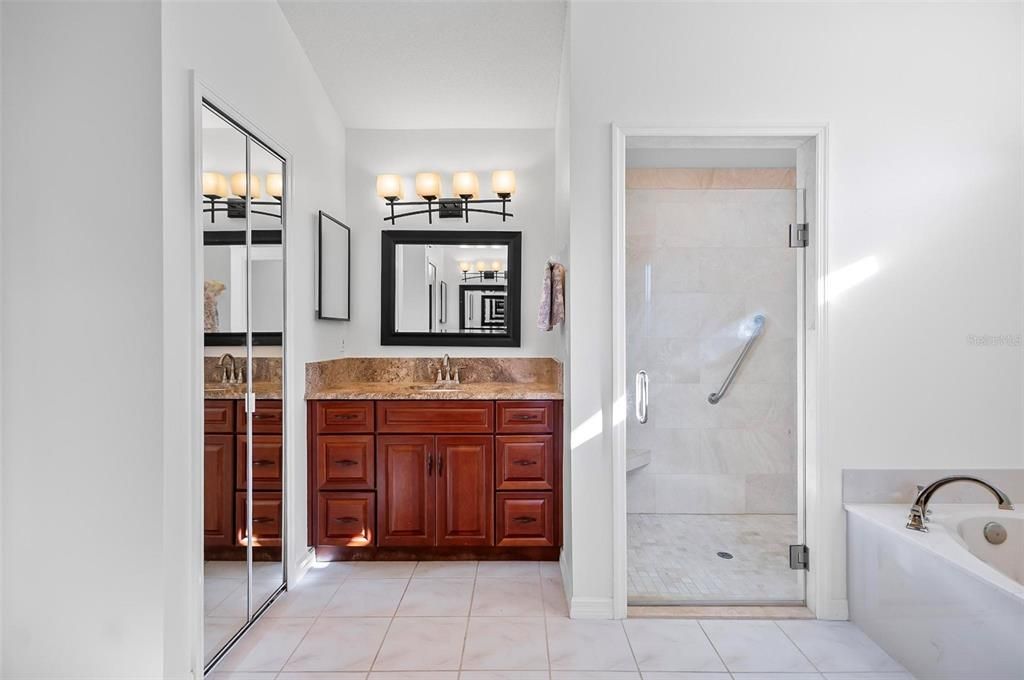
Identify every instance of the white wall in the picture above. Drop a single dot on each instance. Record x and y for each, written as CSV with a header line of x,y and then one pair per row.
x,y
83,588
923,104
531,153
247,54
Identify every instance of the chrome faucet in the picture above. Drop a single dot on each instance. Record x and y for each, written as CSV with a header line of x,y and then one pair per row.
x,y
919,510
227,368
445,375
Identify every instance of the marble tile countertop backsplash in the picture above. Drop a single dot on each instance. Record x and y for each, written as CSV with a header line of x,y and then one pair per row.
x,y
403,378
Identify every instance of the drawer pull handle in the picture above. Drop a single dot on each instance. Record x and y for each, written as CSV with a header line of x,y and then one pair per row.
x,y
346,416
262,416
430,465
524,416
347,520
262,461
525,520
524,462
346,462
262,520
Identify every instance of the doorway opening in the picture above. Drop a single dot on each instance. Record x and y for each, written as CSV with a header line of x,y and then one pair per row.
x,y
712,247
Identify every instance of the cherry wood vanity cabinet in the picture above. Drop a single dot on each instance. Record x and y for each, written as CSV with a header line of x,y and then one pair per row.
x,y
225,441
423,479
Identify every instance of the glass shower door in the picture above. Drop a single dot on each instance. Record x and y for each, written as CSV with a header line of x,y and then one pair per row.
x,y
712,331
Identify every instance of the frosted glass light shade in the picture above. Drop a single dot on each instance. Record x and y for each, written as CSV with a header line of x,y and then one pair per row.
x,y
465,184
275,185
428,185
215,185
503,182
481,266
238,185
390,187
496,266
464,267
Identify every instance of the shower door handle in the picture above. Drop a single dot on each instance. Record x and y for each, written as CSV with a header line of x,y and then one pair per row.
x,y
641,396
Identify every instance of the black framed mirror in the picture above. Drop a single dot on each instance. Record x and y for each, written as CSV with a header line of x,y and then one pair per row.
x,y
334,267
224,294
424,274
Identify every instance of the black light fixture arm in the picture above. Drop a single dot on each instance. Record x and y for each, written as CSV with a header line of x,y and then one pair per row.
x,y
447,207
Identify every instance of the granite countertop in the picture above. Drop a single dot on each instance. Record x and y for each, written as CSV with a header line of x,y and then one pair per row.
x,y
481,391
263,390
482,378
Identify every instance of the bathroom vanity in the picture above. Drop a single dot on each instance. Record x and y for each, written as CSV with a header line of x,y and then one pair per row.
x,y
402,469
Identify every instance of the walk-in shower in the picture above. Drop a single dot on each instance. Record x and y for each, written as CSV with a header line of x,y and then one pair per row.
x,y
713,291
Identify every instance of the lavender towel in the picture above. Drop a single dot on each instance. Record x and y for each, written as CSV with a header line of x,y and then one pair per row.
x,y
552,297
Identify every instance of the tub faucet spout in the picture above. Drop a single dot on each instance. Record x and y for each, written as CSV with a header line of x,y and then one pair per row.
x,y
920,507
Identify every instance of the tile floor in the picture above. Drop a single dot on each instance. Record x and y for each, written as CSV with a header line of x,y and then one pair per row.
x,y
225,596
673,559
508,621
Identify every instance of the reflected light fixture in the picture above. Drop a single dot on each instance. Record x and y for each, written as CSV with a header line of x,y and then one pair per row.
x,y
222,195
465,186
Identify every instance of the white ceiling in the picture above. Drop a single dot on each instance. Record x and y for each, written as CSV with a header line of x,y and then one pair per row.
x,y
425,64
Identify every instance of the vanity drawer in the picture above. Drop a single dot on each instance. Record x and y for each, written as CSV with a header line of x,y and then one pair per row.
x,y
346,518
345,461
266,461
524,462
339,417
266,518
429,417
525,416
525,519
219,416
267,418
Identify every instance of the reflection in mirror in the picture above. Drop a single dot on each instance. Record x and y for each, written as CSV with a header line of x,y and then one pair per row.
x,y
242,306
224,289
431,279
450,287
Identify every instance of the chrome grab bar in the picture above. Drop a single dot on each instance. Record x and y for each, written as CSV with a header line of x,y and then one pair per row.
x,y
641,396
716,397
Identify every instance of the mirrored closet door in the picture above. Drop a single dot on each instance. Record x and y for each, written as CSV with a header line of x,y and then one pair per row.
x,y
243,198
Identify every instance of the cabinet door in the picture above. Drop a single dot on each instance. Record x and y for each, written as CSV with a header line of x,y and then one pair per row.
x,y
218,489
405,484
267,456
465,490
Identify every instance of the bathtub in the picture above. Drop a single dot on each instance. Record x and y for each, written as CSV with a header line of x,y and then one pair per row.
x,y
946,604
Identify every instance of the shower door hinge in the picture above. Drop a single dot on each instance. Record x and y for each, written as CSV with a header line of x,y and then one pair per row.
x,y
798,234
799,557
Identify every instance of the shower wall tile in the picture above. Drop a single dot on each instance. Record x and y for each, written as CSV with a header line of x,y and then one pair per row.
x,y
770,494
715,494
700,264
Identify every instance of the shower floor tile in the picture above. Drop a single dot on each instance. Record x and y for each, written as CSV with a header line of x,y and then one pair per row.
x,y
673,559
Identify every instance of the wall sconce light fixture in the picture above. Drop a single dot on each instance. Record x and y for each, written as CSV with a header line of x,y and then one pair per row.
x,y
221,196
465,186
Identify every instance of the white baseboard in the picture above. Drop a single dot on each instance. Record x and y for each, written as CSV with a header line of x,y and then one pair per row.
x,y
591,608
303,567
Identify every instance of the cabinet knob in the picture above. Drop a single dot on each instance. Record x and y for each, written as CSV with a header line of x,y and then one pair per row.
x,y
525,520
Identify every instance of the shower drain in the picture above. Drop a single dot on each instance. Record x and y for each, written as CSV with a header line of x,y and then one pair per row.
x,y
725,555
